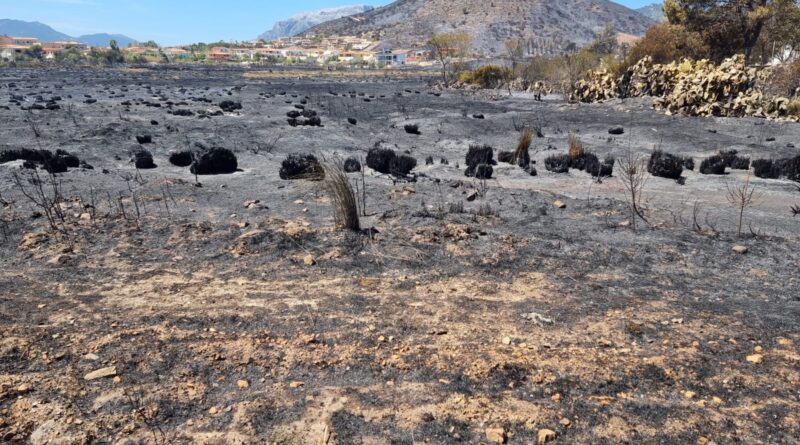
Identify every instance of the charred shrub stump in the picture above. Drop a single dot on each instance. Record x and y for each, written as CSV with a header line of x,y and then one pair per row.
x,y
714,165
181,158
297,166
380,159
484,171
352,165
558,163
412,129
230,106
478,155
143,160
214,161
402,165
665,165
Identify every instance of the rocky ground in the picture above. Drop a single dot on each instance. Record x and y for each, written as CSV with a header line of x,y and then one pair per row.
x,y
160,311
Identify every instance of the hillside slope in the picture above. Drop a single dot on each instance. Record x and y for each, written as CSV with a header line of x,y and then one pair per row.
x,y
543,23
302,22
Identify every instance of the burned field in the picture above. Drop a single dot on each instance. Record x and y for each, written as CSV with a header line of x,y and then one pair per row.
x,y
174,274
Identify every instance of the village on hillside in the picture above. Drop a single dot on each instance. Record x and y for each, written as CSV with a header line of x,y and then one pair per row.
x,y
345,50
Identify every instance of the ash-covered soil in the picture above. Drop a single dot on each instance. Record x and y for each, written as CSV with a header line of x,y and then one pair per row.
x,y
466,312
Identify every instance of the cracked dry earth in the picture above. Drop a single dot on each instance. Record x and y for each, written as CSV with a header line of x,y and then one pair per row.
x,y
211,323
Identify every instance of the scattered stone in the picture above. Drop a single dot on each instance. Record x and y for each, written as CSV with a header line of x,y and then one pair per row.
x,y
309,260
496,435
102,373
565,422
755,358
295,385
506,341
741,250
545,436
560,204
213,411
242,384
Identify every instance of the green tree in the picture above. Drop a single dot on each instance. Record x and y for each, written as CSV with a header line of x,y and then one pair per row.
x,y
448,47
728,26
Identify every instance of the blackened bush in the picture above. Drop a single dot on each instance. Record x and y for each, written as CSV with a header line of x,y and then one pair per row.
x,y
483,171
71,160
477,155
292,121
688,163
734,161
714,165
230,106
586,162
144,139
429,160
766,169
214,161
791,168
558,163
532,170
402,165
505,156
740,163
412,128
181,158
53,164
352,165
313,121
308,113
143,159
301,167
352,121
600,169
294,114
380,159
665,165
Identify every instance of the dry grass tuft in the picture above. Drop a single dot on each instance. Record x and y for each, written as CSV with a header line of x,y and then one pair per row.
x,y
576,149
522,155
345,204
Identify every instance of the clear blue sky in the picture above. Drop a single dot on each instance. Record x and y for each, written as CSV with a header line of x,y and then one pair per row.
x,y
172,22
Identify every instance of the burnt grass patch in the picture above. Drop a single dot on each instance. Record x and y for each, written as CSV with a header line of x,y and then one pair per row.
x,y
188,301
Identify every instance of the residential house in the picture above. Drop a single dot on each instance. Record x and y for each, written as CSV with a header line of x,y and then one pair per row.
x,y
220,54
11,47
52,49
388,56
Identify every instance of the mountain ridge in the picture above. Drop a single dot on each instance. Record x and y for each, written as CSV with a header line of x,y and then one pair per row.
x,y
491,23
303,21
45,33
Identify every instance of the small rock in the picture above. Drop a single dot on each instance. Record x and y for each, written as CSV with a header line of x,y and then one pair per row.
x,y
91,356
689,394
506,341
309,260
545,436
295,385
741,250
565,422
755,358
213,411
102,373
242,384
560,205
472,196
23,388
616,130
556,397
496,435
